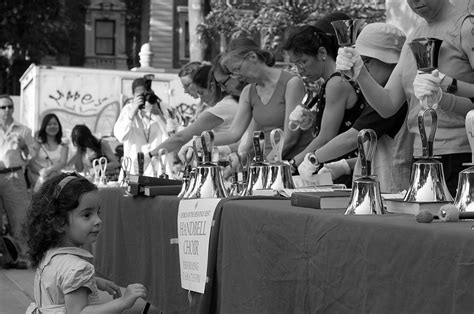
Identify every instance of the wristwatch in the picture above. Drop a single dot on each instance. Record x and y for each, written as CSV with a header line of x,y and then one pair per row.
x,y
453,87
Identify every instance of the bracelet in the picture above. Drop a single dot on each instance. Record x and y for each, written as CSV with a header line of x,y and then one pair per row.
x,y
150,155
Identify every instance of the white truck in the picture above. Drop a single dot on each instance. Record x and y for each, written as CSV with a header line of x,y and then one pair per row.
x,y
89,96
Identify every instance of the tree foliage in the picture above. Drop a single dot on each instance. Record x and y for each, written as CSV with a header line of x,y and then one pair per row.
x,y
36,27
270,21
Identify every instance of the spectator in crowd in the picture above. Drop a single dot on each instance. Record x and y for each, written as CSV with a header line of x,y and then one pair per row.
x,y
444,21
218,89
380,45
88,148
141,126
16,143
268,99
49,155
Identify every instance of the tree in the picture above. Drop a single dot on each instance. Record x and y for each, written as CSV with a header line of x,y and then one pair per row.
x,y
197,10
34,28
30,30
271,21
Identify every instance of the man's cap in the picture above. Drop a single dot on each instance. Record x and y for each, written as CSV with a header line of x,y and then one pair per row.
x,y
381,41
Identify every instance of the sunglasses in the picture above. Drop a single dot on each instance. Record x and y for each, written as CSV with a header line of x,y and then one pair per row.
x,y
5,107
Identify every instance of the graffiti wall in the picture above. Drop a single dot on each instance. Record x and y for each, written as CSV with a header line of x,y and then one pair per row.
x,y
80,96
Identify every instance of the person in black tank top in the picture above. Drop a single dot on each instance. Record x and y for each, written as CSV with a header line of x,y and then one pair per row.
x,y
338,105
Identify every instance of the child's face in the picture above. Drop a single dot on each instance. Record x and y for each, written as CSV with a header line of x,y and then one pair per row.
x,y
84,221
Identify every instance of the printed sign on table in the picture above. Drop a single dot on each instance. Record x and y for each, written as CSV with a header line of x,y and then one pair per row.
x,y
194,229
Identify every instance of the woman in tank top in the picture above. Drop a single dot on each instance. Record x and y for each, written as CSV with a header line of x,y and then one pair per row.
x,y
340,102
268,99
49,152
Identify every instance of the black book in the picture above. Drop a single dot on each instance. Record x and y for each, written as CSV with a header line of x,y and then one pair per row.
x,y
152,181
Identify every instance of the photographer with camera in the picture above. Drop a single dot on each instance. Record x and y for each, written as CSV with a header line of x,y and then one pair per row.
x,y
142,125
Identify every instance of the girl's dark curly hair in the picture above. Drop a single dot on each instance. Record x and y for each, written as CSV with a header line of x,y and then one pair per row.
x,y
42,136
49,211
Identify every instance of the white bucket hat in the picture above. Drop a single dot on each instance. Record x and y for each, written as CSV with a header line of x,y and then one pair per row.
x,y
381,41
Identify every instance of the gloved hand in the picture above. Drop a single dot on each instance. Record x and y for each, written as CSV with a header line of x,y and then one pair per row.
x,y
308,166
427,88
336,168
301,118
349,62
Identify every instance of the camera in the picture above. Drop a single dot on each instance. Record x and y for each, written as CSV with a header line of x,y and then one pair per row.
x,y
149,95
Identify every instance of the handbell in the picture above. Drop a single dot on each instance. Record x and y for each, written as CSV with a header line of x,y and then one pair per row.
x,y
186,173
365,197
258,170
279,175
464,200
347,31
426,51
209,182
427,183
239,177
197,156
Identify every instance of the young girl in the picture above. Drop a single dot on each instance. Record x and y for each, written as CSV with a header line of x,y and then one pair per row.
x,y
64,217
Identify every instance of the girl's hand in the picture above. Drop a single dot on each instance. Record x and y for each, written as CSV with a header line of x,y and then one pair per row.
x,y
132,293
111,287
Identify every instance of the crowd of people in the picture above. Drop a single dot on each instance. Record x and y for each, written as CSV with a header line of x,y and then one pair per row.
x,y
373,85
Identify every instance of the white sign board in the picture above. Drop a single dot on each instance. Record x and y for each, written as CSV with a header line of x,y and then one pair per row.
x,y
194,229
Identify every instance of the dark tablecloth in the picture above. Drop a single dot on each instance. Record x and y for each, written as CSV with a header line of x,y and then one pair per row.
x,y
269,257
134,246
274,258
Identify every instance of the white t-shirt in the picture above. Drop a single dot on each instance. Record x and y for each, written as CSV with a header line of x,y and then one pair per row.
x,y
226,109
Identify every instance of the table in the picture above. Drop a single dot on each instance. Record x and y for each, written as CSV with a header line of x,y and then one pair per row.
x,y
134,246
269,257
274,258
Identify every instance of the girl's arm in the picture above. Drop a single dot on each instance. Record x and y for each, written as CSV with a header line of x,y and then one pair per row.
x,y
295,91
32,164
77,160
240,122
206,121
76,301
338,92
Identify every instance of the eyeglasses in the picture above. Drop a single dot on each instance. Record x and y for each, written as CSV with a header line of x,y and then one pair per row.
x,y
5,107
236,70
223,85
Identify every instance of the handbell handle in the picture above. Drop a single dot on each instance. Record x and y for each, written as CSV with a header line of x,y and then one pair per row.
x,y
427,141
470,131
197,147
277,147
162,152
366,155
259,145
207,140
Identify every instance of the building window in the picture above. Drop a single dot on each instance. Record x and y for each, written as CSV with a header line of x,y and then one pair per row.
x,y
105,37
183,20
